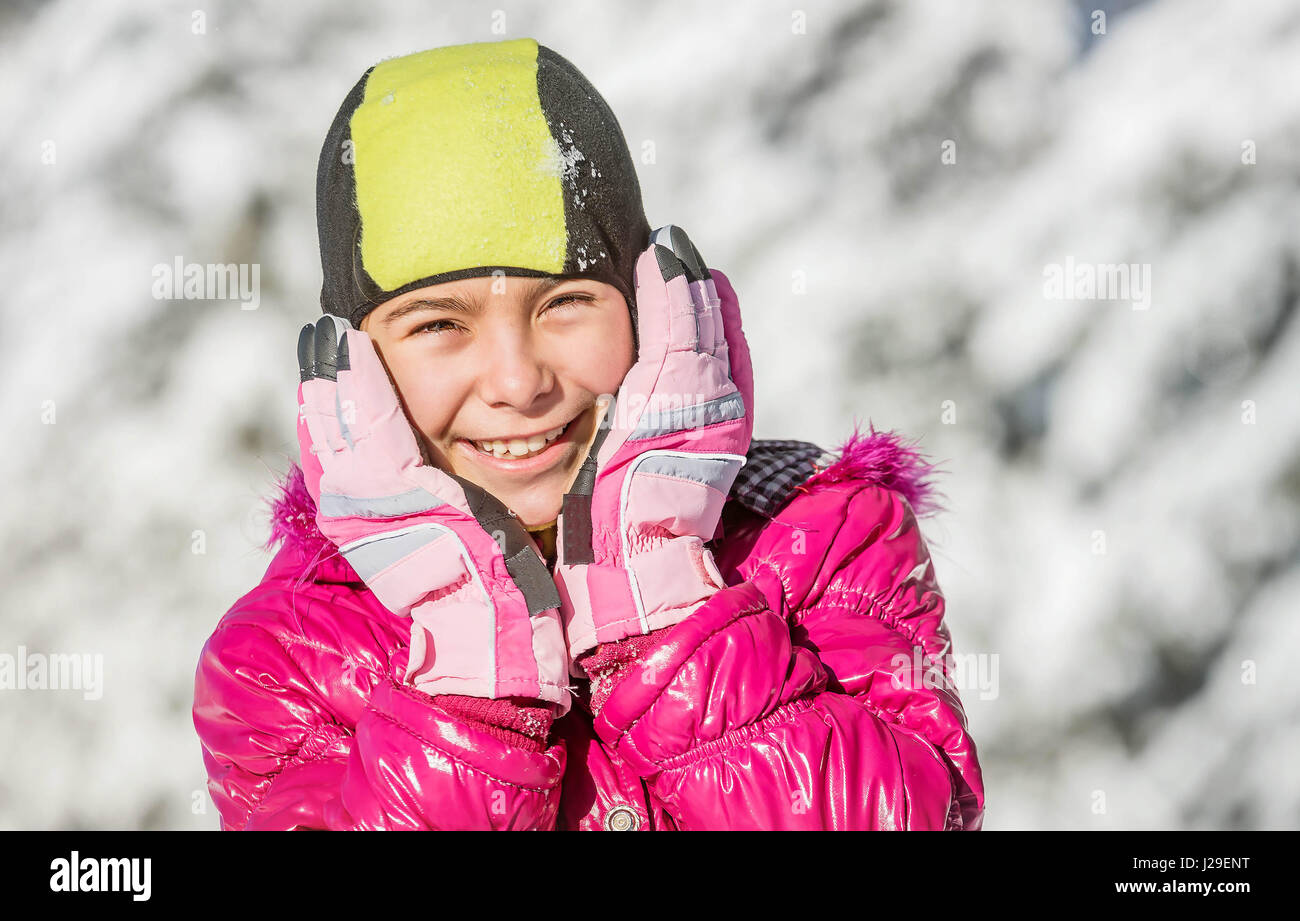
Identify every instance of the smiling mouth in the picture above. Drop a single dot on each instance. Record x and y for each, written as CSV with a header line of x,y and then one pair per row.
x,y
520,448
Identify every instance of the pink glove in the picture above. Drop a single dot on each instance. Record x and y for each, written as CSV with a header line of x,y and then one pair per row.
x,y
649,495
430,545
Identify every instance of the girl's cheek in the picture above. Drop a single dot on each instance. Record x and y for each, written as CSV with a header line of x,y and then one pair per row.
x,y
426,400
611,378
594,372
603,357
431,413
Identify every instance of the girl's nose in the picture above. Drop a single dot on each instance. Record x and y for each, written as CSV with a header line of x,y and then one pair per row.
x,y
513,375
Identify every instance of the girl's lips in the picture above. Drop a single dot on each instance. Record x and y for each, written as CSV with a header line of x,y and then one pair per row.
x,y
552,454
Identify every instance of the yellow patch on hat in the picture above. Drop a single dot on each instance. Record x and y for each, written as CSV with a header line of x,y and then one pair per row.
x,y
455,165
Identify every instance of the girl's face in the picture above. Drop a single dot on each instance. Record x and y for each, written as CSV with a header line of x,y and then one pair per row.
x,y
500,375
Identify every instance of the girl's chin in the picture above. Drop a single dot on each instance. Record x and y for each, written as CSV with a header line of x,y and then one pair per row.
x,y
534,514
536,503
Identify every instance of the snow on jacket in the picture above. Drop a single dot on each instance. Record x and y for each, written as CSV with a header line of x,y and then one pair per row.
x,y
790,700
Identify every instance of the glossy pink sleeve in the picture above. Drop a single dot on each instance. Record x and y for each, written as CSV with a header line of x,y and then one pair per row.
x,y
790,701
278,759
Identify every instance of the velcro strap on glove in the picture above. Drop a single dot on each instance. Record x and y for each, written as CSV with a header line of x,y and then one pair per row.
x,y
526,568
575,513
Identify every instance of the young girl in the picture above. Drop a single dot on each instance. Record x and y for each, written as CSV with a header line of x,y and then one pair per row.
x,y
533,572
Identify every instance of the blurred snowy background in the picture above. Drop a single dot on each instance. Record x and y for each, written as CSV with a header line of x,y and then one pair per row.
x,y
885,182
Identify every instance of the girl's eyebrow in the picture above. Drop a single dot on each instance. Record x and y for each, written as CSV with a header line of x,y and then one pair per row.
x,y
457,304
454,303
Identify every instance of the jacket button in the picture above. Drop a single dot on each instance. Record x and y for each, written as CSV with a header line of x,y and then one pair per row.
x,y
622,818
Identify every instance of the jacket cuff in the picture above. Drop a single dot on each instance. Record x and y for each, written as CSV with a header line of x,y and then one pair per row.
x,y
397,714
519,721
523,722
607,664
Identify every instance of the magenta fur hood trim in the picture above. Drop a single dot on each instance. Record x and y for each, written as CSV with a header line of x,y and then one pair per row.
x,y
881,458
884,459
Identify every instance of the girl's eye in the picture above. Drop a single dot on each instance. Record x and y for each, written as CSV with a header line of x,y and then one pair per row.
x,y
565,302
434,326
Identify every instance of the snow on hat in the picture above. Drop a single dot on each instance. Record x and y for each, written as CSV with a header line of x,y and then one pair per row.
x,y
471,159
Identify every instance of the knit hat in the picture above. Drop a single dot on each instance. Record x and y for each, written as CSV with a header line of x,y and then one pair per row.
x,y
468,160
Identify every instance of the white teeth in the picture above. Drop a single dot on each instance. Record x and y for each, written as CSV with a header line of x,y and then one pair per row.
x,y
519,447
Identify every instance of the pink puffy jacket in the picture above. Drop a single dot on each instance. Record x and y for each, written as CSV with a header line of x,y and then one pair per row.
x,y
790,700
